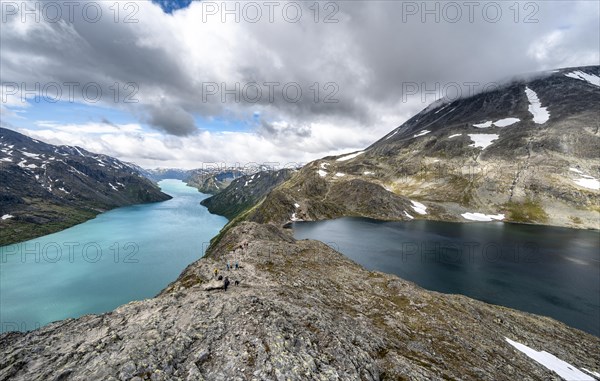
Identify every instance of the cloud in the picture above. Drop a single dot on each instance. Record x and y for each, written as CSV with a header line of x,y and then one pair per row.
x,y
280,130
171,119
356,75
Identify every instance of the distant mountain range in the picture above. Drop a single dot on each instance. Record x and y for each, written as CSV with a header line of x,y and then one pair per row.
x,y
526,152
210,179
213,181
158,174
244,192
45,188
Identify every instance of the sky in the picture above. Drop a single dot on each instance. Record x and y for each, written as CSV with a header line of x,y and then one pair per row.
x,y
188,83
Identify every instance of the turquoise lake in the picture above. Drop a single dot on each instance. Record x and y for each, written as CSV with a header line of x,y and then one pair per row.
x,y
126,254
132,253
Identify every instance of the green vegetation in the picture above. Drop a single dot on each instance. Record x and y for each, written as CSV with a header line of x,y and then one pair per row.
x,y
575,220
47,220
528,211
462,186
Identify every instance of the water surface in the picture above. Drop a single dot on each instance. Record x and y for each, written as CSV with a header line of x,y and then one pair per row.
x,y
126,254
545,270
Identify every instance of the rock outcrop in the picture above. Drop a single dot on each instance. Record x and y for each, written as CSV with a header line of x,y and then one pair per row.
x,y
301,311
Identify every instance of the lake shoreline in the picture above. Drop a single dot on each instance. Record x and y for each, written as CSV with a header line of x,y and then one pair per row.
x,y
114,258
499,261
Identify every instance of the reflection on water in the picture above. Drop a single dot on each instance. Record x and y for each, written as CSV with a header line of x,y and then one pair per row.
x,y
545,270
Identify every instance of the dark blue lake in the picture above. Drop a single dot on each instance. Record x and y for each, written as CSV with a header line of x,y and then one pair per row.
x,y
544,270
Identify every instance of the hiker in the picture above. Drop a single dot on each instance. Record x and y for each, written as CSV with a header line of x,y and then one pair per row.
x,y
236,266
226,283
227,266
216,272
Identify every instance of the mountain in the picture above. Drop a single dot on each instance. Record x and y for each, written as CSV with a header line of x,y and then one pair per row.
x,y
45,188
301,312
525,152
213,181
158,174
244,192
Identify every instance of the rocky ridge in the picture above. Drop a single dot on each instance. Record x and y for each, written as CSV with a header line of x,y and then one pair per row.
x,y
46,188
301,312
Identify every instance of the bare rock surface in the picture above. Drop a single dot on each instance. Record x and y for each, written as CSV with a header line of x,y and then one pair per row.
x,y
301,311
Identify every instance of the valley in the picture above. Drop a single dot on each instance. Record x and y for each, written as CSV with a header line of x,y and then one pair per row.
x,y
46,188
483,166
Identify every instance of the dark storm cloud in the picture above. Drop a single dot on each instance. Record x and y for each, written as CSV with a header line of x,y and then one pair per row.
x,y
171,119
364,66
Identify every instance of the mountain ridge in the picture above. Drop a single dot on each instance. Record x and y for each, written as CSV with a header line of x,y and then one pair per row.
x,y
301,311
486,157
46,188
244,192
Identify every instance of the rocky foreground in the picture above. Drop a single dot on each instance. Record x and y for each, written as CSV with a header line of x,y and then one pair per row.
x,y
302,311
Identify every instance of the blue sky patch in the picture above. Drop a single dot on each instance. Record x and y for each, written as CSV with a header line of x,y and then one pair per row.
x,y
170,6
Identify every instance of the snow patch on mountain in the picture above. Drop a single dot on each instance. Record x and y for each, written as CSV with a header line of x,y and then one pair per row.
x,y
31,155
585,181
351,156
540,114
562,368
506,122
484,124
499,123
418,207
589,78
588,182
482,217
482,140
394,133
